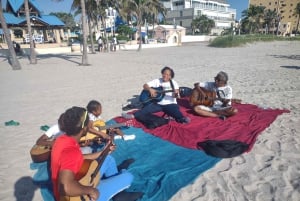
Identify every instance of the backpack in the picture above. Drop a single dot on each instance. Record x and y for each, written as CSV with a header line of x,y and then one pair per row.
x,y
223,148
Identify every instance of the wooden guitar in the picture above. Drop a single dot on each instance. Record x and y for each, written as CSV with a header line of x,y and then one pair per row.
x,y
146,98
40,153
201,96
101,126
89,173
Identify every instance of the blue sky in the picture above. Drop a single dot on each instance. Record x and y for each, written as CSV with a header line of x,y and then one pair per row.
x,y
65,5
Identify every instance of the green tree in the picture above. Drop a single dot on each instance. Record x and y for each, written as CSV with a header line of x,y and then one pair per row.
x,y
81,5
252,18
67,19
138,9
297,12
202,24
14,60
270,19
32,56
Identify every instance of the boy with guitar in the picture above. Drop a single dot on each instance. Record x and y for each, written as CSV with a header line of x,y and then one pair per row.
x,y
73,174
213,99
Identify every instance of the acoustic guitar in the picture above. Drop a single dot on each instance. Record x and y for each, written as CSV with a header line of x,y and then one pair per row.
x,y
202,96
146,98
89,173
40,153
100,125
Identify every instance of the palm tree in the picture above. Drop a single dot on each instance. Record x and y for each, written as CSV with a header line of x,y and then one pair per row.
x,y
32,51
297,12
269,18
203,24
137,9
253,17
14,60
84,61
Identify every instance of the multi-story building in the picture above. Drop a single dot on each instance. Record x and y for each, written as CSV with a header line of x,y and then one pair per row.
x,y
182,12
285,10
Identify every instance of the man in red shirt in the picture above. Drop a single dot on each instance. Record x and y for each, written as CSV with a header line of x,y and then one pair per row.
x,y
67,159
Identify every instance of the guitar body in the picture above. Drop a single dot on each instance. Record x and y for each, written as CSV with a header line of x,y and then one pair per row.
x,y
89,173
145,96
100,125
40,153
86,178
202,98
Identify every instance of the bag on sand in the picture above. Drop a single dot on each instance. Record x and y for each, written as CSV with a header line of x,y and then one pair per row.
x,y
223,148
152,121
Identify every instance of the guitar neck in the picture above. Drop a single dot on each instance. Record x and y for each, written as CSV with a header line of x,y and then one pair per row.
x,y
102,157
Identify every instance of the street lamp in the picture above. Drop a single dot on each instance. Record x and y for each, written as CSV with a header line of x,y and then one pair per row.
x,y
111,14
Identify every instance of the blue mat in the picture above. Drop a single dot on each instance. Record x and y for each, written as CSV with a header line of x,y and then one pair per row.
x,y
160,168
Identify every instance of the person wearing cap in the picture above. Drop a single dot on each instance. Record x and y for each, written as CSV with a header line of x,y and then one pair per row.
x,y
221,106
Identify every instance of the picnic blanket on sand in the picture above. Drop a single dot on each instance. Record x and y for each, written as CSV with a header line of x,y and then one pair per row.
x,y
244,127
160,168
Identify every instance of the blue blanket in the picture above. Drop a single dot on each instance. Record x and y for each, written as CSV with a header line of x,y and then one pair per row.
x,y
160,168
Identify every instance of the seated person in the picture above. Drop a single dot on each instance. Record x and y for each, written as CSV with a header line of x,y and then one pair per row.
x,y
94,109
221,104
168,104
67,161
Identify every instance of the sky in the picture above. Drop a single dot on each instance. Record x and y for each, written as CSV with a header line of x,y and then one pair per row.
x,y
49,6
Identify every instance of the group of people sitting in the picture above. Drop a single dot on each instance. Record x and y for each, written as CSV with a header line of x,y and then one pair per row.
x,y
216,103
68,157
69,154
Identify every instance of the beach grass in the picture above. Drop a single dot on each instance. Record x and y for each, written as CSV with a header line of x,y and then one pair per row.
x,y
240,40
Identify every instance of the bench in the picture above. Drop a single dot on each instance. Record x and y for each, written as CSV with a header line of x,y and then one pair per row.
x,y
122,44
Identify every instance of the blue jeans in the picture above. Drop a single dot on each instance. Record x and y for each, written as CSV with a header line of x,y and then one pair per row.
x,y
114,181
170,109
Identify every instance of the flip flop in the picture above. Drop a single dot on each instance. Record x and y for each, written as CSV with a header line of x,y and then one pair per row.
x,y
12,123
44,127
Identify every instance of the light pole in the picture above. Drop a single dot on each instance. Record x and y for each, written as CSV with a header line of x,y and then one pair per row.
x,y
240,26
111,15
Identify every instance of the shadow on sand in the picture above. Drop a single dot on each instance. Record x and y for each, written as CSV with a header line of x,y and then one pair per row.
x,y
24,189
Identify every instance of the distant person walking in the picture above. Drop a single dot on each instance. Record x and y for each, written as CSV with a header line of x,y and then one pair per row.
x,y
114,43
100,44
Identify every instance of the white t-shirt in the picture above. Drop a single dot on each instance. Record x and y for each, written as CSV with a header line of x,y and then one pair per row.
x,y
54,131
168,98
92,117
222,92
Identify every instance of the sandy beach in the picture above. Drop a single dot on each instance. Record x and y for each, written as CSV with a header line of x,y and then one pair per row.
x,y
266,74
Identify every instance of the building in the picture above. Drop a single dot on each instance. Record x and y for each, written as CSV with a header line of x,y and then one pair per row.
x,y
44,27
285,10
182,12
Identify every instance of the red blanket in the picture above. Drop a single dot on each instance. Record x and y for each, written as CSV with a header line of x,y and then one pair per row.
x,y
244,127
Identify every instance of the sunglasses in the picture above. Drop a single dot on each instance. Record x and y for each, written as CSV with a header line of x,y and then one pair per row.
x,y
84,119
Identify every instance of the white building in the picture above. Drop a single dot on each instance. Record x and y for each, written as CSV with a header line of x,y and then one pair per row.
x,y
182,12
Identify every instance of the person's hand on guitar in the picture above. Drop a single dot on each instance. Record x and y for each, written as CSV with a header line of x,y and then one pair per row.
x,y
153,92
94,194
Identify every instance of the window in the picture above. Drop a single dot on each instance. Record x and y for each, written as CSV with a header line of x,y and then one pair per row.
x,y
181,13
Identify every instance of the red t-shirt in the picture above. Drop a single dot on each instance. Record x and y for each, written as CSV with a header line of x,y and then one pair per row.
x,y
65,155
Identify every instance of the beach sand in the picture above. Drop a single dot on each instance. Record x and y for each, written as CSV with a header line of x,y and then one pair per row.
x,y
266,74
